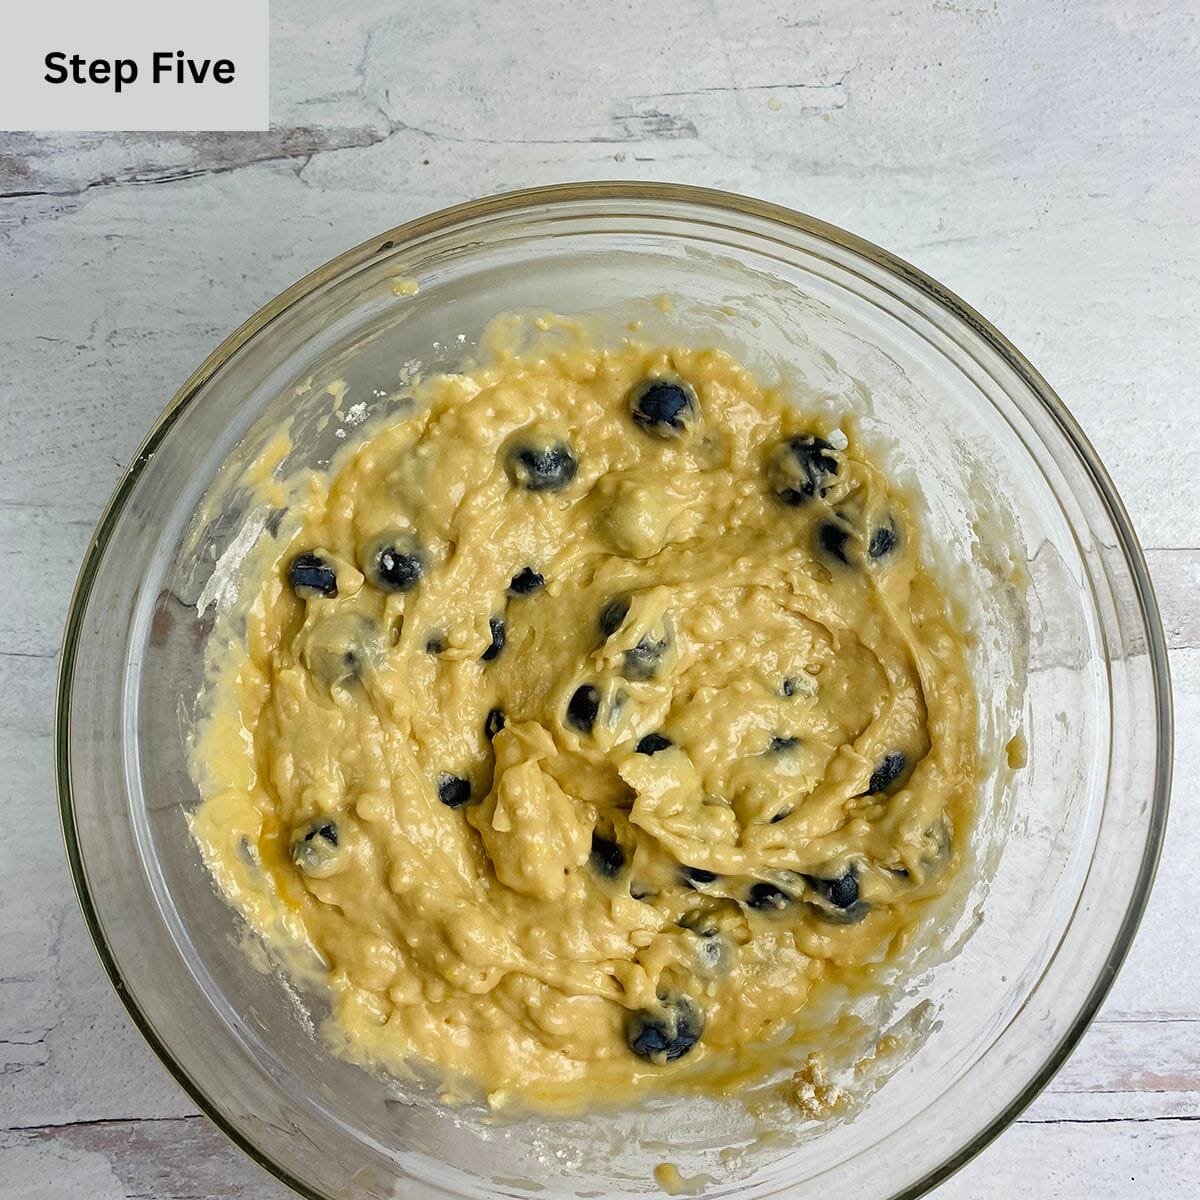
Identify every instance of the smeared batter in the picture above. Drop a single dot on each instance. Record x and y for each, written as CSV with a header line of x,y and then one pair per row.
x,y
591,718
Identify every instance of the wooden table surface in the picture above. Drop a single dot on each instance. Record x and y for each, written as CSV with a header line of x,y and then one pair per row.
x,y
1039,157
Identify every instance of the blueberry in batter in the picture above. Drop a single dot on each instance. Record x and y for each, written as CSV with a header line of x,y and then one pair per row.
x,y
587,721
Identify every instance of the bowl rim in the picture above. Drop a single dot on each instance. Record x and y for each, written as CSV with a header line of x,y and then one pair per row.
x,y
698,198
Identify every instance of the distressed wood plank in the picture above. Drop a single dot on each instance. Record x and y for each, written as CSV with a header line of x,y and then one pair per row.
x,y
50,165
1127,1069
183,1158
1118,1160
1176,575
186,1159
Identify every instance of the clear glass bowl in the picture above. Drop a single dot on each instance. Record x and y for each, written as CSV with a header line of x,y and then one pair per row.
x,y
1022,521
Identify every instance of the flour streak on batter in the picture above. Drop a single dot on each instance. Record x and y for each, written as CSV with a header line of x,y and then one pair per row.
x,y
593,717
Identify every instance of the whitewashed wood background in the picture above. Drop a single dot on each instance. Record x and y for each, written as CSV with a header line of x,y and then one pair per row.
x,y
1040,157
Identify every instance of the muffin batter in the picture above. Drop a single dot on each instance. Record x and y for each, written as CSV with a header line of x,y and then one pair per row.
x,y
591,718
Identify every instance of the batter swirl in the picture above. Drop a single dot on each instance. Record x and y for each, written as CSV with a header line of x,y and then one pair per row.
x,y
593,715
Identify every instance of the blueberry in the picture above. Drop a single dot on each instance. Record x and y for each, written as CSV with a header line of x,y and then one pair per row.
x,y
800,469
712,956
780,745
891,767
613,615
493,723
311,576
652,743
342,647
789,688
843,891
394,562
713,953
434,645
665,408
607,857
583,708
832,538
453,791
840,895
349,668
667,1032
326,830
314,847
499,634
525,581
697,875
764,896
541,468
700,921
643,661
883,541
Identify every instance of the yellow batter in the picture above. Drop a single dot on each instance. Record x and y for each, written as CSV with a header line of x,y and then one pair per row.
x,y
592,718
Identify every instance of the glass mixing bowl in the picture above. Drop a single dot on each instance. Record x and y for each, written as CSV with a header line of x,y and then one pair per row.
x,y
1021,522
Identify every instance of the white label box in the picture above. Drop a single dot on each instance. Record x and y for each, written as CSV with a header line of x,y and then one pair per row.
x,y
134,65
